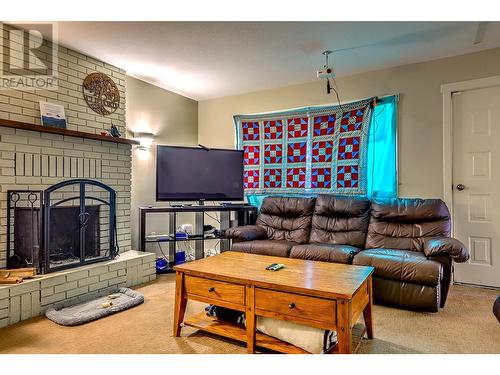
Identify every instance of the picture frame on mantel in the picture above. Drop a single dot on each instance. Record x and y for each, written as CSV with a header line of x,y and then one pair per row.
x,y
52,115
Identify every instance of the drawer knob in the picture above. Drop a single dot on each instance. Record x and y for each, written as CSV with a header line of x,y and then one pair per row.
x,y
211,289
291,305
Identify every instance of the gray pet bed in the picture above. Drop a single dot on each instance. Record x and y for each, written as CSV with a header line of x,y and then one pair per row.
x,y
86,310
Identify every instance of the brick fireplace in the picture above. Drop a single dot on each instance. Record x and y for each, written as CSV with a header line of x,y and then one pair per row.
x,y
35,160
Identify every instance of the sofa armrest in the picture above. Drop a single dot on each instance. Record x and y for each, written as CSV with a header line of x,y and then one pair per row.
x,y
447,246
246,233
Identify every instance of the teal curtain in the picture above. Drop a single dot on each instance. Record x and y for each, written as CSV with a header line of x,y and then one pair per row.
x,y
382,149
382,153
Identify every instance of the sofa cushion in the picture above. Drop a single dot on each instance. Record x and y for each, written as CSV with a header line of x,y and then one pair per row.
x,y
325,252
401,265
286,218
278,248
406,224
340,220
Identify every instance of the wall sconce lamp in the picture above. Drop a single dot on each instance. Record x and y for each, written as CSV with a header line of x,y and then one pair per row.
x,y
145,139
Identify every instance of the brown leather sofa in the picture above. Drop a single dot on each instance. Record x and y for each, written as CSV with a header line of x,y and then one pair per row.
x,y
406,240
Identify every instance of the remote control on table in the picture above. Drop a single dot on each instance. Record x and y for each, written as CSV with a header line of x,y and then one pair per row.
x,y
275,267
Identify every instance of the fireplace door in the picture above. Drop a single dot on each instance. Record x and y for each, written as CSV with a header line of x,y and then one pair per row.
x,y
79,224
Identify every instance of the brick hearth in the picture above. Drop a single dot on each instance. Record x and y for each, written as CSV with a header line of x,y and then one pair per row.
x,y
32,297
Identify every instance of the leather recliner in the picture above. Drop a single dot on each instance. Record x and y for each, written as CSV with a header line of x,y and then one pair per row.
x,y
406,240
408,244
282,223
338,230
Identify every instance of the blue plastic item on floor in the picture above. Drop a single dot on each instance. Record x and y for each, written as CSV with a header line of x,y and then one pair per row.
x,y
180,257
162,266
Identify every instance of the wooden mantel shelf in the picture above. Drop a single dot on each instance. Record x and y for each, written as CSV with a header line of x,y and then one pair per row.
x,y
72,133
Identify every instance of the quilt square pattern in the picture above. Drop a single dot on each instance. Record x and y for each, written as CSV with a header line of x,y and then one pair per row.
x,y
352,120
297,152
314,150
296,177
347,176
349,148
251,179
273,153
251,155
297,127
322,151
272,178
321,178
324,125
251,131
273,129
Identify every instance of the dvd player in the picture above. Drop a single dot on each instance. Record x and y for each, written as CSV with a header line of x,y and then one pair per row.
x,y
157,237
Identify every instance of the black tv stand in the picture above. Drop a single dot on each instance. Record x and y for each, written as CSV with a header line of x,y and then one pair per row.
x,y
231,204
244,214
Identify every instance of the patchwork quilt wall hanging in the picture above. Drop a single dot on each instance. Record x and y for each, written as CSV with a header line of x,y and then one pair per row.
x,y
307,150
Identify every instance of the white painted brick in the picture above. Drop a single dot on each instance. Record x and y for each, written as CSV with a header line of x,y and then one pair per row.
x,y
53,298
54,280
15,310
98,270
4,303
14,139
147,266
35,303
117,280
4,146
99,285
26,306
134,262
66,286
4,313
25,287
45,292
76,292
4,293
132,275
77,275
8,108
40,142
28,149
108,275
88,281
117,266
148,258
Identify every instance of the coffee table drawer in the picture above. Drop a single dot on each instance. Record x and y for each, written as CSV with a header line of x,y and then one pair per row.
x,y
215,290
311,308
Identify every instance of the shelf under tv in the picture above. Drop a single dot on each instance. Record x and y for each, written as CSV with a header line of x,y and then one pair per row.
x,y
244,215
194,237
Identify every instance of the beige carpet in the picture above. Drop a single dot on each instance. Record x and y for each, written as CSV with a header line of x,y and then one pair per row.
x,y
466,325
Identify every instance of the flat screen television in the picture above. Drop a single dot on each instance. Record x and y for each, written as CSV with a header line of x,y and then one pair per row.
x,y
198,174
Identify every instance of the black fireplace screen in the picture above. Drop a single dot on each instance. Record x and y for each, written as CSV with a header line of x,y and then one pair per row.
x,y
76,227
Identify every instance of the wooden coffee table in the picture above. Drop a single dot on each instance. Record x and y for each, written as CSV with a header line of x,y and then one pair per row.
x,y
319,294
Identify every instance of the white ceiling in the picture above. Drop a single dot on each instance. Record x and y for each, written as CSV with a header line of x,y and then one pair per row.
x,y
204,60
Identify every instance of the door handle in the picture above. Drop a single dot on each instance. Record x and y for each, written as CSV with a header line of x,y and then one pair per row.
x,y
460,187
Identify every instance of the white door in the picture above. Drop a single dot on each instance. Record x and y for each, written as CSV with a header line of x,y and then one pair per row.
x,y
476,183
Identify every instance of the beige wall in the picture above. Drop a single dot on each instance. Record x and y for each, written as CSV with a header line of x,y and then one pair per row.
x,y
174,120
420,110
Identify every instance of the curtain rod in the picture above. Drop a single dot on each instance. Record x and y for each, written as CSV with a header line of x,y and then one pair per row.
x,y
289,110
